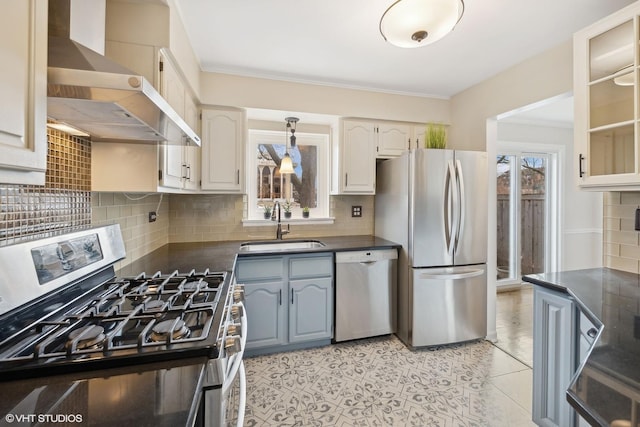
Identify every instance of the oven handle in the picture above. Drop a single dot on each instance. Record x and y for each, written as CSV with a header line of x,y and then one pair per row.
x,y
242,399
236,360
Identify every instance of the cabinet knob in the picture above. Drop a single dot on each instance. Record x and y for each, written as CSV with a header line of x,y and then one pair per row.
x,y
592,332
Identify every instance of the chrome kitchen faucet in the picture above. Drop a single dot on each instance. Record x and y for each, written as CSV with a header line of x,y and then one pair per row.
x,y
279,231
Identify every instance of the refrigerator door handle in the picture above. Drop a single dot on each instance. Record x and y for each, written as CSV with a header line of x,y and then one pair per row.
x,y
461,204
452,276
448,208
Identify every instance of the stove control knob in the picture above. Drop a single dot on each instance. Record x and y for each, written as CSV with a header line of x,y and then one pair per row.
x,y
234,329
232,345
238,294
236,312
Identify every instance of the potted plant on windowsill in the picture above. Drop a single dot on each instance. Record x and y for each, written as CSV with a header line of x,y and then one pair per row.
x,y
305,212
267,211
287,209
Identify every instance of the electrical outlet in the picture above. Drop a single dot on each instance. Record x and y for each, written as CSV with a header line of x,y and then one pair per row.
x,y
356,211
152,216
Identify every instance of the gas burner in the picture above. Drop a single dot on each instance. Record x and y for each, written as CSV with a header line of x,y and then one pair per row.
x,y
154,304
86,337
191,286
174,327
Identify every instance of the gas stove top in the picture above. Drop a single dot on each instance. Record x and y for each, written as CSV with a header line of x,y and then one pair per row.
x,y
139,319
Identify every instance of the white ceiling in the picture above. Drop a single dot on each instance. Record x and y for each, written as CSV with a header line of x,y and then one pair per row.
x,y
337,42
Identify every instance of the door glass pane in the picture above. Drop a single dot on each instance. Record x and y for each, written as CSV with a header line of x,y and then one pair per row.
x,y
532,213
504,184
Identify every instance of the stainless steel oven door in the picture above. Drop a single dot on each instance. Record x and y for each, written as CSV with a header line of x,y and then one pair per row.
x,y
225,402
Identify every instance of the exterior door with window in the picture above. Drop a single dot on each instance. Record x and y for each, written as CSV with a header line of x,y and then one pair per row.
x,y
523,214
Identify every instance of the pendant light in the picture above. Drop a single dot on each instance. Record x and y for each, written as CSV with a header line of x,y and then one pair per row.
x,y
416,23
286,165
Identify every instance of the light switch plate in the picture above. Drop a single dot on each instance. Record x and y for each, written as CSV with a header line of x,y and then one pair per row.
x,y
356,211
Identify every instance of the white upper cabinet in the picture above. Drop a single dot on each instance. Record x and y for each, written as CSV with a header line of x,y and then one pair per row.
x,y
23,104
354,159
606,102
223,147
393,139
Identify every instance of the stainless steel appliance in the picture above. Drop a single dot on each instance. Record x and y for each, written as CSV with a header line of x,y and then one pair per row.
x,y
103,98
365,293
77,341
434,203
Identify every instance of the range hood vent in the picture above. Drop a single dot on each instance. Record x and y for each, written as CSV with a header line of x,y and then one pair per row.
x,y
102,98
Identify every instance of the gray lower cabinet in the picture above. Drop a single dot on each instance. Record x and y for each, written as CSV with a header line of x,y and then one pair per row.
x,y
554,357
289,299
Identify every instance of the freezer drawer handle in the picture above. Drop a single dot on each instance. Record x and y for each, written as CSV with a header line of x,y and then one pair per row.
x,y
367,262
440,276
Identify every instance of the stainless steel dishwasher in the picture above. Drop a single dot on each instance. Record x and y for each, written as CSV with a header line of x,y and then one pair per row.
x,y
365,293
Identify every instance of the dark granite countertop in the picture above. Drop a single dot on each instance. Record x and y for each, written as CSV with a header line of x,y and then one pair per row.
x,y
220,256
608,382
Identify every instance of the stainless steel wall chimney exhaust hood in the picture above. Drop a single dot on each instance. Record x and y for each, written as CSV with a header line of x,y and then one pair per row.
x,y
102,98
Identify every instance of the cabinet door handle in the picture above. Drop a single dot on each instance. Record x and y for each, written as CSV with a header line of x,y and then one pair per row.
x,y
346,179
280,297
188,172
291,296
184,171
580,159
237,176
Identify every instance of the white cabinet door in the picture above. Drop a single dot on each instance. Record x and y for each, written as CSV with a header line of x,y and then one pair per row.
x,y
606,141
171,86
554,357
417,136
222,166
173,167
23,108
357,158
393,139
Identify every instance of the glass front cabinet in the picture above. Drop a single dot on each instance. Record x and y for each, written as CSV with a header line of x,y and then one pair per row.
x,y
607,109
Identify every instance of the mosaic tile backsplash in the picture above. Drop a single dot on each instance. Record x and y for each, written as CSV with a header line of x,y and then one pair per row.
x,y
63,204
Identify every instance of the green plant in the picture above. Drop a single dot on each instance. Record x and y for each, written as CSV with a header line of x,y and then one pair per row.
x,y
267,211
286,206
435,136
305,209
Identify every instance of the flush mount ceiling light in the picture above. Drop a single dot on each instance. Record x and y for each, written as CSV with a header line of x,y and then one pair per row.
x,y
416,23
286,165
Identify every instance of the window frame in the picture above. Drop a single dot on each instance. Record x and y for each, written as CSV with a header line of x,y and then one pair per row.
x,y
321,141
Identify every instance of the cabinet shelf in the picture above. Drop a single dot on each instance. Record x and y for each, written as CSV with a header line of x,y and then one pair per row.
x,y
612,126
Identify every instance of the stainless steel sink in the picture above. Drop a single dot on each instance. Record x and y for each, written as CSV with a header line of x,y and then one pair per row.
x,y
279,245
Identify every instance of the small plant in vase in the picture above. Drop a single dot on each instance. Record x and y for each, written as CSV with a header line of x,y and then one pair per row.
x,y
305,212
267,211
287,209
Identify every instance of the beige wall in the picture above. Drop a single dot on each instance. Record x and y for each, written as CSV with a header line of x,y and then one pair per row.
x,y
541,77
249,92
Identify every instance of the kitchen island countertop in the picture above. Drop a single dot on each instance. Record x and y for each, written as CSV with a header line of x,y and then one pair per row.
x,y
221,256
607,386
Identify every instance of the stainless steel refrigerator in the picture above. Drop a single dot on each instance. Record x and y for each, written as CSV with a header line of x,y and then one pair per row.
x,y
434,202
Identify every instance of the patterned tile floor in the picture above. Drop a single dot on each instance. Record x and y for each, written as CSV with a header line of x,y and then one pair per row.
x,y
380,382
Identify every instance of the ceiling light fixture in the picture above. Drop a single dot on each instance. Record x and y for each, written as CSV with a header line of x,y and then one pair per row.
x,y
416,23
625,79
286,165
